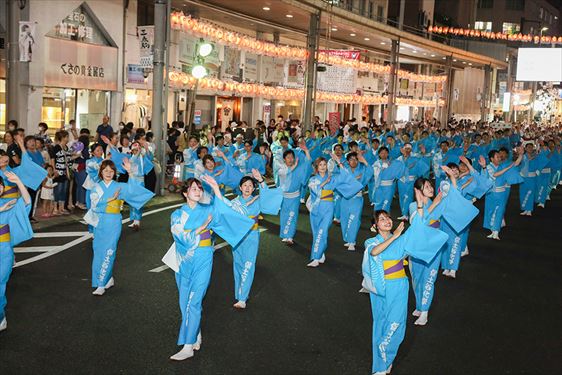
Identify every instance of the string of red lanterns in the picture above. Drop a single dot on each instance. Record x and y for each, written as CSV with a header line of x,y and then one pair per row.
x,y
201,28
527,38
282,93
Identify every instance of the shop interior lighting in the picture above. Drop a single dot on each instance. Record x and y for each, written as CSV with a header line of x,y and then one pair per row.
x,y
334,29
199,71
432,55
383,43
366,39
205,49
414,51
289,15
266,8
352,34
455,60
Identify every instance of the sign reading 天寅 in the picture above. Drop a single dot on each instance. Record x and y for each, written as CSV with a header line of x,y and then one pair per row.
x,y
88,66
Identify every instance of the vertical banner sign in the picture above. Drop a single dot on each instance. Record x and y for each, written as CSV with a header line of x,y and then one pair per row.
x,y
26,40
334,119
146,40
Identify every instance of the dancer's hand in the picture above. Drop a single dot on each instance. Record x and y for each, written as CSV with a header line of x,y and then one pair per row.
x,y
398,230
9,204
257,175
203,226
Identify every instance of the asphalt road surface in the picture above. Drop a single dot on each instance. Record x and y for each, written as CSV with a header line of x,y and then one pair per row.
x,y
500,316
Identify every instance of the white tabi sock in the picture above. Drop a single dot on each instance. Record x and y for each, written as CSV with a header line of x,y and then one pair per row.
x,y
197,344
185,353
465,252
416,313
99,291
110,283
240,305
3,325
132,224
363,290
322,259
446,272
346,244
314,263
452,274
389,369
351,247
422,320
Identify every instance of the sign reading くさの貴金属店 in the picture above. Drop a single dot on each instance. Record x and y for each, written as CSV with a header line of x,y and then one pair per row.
x,y
71,64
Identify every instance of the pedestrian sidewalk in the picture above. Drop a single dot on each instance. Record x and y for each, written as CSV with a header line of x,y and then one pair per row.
x,y
77,214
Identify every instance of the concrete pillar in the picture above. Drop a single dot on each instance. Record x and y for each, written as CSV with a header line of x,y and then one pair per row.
x,y
17,77
310,79
446,113
158,125
394,66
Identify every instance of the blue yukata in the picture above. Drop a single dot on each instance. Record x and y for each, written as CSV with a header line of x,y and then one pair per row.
x,y
386,173
322,205
291,180
247,162
104,216
14,229
92,177
544,177
352,208
529,170
413,168
458,212
387,283
496,199
189,158
334,168
424,274
30,174
245,253
141,165
194,253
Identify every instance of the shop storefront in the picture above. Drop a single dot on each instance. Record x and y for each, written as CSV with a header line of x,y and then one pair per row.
x,y
80,72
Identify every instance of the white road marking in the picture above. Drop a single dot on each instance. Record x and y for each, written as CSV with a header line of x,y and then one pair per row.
x,y
59,234
84,236
219,246
33,249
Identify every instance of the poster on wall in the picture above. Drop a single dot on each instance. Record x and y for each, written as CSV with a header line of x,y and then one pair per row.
x,y
338,79
187,50
231,64
295,74
251,67
272,70
146,40
26,40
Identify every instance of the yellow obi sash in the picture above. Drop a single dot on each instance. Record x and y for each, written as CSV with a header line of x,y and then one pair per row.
x,y
4,233
327,195
205,238
393,269
255,218
11,192
114,207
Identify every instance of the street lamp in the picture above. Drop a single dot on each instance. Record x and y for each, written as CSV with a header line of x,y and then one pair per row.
x,y
205,49
199,71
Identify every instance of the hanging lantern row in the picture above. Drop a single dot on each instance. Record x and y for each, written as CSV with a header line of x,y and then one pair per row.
x,y
230,38
527,38
282,93
201,28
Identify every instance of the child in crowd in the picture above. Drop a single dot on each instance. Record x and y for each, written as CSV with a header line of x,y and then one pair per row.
x,y
47,194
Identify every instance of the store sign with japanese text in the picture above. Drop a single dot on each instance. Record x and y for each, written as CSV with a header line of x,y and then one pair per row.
x,y
339,79
80,25
82,66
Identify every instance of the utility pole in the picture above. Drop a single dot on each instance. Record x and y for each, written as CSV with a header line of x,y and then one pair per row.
x,y
14,65
310,80
160,20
